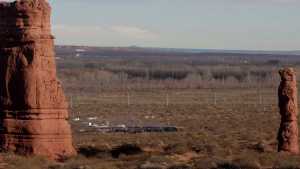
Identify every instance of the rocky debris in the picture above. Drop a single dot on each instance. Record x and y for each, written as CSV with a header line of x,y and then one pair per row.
x,y
264,146
33,108
288,105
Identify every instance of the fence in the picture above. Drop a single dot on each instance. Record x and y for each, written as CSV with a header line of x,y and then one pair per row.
x,y
168,99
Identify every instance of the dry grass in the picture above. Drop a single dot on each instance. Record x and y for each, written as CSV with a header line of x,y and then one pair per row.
x,y
226,135
224,128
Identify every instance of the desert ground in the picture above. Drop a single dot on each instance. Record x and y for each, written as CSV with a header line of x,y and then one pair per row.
x,y
225,110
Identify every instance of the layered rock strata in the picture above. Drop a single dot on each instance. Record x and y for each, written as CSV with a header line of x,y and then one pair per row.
x,y
33,108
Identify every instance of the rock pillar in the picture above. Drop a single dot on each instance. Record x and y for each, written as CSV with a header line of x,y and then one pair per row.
x,y
33,108
287,95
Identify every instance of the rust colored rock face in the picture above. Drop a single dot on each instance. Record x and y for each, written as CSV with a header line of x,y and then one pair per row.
x,y
33,109
287,94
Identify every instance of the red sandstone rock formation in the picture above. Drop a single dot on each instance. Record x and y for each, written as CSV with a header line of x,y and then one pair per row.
x,y
33,109
287,94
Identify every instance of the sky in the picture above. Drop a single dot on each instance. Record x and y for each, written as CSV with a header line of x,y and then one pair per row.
x,y
201,24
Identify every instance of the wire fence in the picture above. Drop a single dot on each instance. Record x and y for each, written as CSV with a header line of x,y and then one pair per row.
x,y
213,99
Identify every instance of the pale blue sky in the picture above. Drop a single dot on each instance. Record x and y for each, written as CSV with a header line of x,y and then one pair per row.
x,y
221,24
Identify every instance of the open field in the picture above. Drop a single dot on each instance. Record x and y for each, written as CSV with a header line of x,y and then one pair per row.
x,y
226,121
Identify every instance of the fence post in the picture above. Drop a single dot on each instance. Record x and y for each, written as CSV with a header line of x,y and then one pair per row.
x,y
215,98
128,99
71,102
260,99
167,100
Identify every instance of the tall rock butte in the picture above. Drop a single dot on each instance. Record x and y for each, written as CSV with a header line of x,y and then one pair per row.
x,y
33,108
287,95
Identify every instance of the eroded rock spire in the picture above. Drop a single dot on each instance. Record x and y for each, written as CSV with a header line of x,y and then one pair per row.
x,y
288,105
33,109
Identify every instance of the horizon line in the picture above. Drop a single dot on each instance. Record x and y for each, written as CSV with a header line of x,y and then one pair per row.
x,y
183,48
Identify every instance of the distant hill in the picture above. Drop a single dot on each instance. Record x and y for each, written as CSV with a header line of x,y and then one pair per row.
x,y
173,53
173,50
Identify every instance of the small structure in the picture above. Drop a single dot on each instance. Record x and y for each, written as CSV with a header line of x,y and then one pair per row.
x,y
287,95
33,108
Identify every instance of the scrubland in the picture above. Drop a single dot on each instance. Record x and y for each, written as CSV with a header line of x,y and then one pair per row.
x,y
227,114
